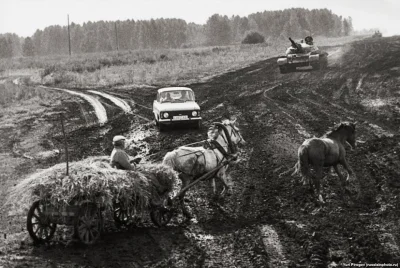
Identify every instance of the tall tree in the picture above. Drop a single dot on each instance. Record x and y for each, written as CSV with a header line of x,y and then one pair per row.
x,y
347,26
5,47
28,47
196,35
37,42
218,30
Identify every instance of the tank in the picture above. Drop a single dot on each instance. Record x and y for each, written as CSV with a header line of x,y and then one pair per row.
x,y
302,54
377,34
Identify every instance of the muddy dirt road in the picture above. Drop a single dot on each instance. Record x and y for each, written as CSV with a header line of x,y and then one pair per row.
x,y
268,221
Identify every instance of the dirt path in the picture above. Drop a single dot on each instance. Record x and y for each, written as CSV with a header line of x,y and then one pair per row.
x,y
117,101
96,104
268,221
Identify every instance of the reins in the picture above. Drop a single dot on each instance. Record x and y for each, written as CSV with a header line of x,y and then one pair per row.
x,y
178,147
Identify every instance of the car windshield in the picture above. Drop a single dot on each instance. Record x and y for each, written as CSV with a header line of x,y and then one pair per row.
x,y
177,96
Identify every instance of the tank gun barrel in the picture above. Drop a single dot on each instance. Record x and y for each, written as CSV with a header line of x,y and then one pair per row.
x,y
294,44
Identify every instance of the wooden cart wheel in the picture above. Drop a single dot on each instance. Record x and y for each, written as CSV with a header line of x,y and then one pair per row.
x,y
161,215
122,215
88,224
39,226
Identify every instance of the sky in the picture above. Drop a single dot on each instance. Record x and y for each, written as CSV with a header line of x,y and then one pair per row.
x,y
24,17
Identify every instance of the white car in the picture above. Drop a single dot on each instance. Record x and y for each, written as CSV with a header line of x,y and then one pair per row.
x,y
176,105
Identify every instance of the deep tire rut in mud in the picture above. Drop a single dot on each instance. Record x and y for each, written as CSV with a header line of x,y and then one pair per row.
x,y
269,220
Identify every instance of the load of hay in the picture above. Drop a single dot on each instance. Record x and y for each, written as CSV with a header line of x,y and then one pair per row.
x,y
94,180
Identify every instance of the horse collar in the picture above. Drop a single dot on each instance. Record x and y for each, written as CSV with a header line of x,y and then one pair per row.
x,y
220,148
231,148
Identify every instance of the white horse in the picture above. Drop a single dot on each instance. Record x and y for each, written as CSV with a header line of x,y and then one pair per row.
x,y
192,162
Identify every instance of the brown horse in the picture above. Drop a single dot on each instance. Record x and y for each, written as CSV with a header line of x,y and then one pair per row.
x,y
192,162
327,151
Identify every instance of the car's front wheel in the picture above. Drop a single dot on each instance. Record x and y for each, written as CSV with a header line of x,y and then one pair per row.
x,y
197,124
161,127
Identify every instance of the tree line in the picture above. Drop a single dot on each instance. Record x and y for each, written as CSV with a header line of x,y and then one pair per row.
x,y
104,36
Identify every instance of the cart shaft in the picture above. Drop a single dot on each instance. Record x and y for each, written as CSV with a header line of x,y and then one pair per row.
x,y
208,175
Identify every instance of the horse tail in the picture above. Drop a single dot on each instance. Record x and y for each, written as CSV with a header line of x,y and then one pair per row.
x,y
288,171
300,166
302,163
169,160
296,169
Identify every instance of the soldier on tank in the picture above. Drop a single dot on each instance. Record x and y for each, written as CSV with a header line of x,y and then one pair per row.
x,y
309,40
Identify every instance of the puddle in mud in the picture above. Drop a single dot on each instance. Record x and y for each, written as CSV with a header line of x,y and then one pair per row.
x,y
374,103
273,246
136,139
388,103
359,84
380,132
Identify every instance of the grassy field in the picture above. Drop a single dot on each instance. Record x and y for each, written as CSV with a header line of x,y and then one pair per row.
x,y
155,67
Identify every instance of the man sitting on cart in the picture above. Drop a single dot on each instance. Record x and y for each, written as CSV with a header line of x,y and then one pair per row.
x,y
119,158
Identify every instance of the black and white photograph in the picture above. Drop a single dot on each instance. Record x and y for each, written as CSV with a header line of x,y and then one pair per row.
x,y
199,133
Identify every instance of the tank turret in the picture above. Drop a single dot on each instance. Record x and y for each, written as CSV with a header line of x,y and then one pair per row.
x,y
377,34
296,45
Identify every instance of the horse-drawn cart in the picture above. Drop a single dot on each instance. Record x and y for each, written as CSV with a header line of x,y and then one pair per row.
x,y
93,191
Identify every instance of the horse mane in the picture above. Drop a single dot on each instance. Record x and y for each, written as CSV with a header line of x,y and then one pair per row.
x,y
228,122
210,133
339,126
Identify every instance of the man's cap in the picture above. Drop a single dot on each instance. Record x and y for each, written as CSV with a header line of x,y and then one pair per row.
x,y
118,138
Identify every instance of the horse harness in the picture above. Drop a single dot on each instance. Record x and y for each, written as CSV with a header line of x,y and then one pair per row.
x,y
213,144
227,138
